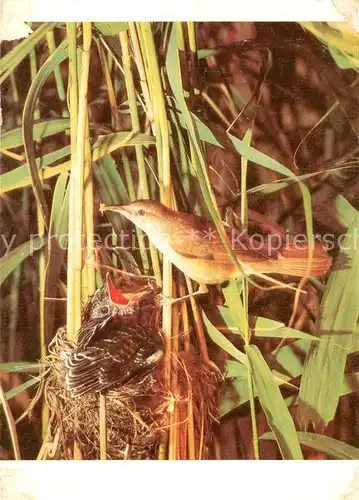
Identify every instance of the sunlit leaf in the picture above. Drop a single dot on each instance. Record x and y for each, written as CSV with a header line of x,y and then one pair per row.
x,y
218,338
111,28
266,327
345,212
291,359
59,55
235,307
274,407
20,367
341,40
20,177
22,388
330,446
323,372
201,53
21,50
235,369
44,128
111,188
106,144
14,258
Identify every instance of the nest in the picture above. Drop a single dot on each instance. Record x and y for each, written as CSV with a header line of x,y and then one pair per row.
x,y
134,415
137,416
198,386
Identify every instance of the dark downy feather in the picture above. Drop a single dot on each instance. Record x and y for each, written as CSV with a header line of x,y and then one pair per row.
x,y
108,351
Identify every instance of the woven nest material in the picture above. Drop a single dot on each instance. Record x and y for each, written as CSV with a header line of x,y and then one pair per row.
x,y
138,414
198,395
134,416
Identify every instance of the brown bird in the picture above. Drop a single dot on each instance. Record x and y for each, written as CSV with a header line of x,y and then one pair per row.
x,y
193,245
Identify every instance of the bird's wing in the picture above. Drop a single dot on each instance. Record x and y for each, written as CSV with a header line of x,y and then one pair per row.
x,y
198,238
86,371
116,359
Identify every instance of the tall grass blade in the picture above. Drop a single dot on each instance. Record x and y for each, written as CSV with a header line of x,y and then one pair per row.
x,y
218,338
46,69
274,407
325,364
20,177
330,446
13,58
22,388
14,258
44,128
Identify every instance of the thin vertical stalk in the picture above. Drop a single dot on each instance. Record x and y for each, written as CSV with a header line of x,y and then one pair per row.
x,y
42,265
190,429
15,283
11,423
42,268
16,99
89,218
192,36
163,158
174,420
132,195
181,45
143,191
103,428
191,442
193,53
158,99
253,414
198,324
14,311
72,85
247,334
180,37
107,64
110,88
42,278
82,198
73,108
141,71
57,73
76,201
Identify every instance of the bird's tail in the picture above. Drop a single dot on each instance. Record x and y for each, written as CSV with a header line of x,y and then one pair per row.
x,y
294,261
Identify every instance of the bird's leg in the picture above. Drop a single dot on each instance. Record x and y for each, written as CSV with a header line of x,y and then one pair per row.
x,y
126,275
165,301
142,278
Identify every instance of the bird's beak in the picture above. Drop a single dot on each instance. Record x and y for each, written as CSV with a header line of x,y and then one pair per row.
x,y
116,295
121,209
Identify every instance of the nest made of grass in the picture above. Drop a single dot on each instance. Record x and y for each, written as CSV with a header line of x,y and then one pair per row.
x,y
137,413
134,413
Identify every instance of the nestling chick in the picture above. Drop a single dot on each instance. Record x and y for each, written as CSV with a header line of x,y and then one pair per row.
x,y
108,350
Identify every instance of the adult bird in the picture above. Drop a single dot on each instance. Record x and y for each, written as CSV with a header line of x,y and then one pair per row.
x,y
193,245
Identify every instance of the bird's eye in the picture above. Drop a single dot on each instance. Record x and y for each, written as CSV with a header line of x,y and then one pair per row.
x,y
141,212
105,310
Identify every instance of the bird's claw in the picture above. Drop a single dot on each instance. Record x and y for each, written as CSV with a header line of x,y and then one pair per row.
x,y
170,301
